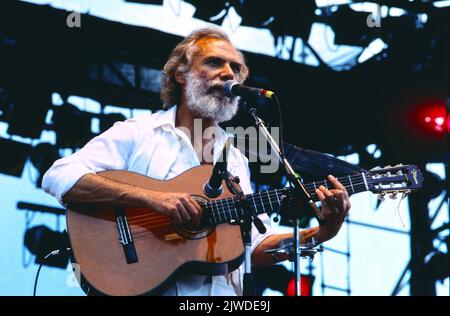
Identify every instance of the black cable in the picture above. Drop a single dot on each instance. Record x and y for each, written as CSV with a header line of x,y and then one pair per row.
x,y
53,253
280,119
36,279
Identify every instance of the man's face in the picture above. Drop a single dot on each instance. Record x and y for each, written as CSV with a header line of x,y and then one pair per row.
x,y
215,62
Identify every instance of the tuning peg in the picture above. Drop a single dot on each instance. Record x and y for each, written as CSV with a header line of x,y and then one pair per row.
x,y
381,197
276,218
393,196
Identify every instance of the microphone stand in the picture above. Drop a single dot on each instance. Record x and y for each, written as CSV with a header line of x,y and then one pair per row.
x,y
246,230
300,197
245,222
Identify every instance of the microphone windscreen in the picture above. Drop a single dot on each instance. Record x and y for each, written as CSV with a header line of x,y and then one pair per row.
x,y
228,88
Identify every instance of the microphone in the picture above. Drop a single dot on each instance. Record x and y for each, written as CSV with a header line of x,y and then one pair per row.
x,y
233,89
213,188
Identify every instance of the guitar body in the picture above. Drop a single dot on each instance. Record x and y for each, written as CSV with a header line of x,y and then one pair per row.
x,y
137,251
157,252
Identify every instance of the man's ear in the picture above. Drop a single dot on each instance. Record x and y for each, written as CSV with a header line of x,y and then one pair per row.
x,y
179,77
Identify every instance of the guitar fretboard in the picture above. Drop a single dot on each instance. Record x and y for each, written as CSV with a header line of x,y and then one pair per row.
x,y
226,210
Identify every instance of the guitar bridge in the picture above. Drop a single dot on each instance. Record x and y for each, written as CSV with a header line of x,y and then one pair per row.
x,y
125,235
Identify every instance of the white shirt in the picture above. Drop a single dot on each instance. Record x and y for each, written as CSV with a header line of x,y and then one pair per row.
x,y
153,146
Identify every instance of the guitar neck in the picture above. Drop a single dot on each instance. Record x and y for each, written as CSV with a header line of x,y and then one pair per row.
x,y
226,210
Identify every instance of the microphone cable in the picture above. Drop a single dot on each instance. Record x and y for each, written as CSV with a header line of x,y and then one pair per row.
x,y
52,253
280,120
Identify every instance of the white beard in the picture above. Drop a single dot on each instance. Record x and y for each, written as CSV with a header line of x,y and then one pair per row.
x,y
217,109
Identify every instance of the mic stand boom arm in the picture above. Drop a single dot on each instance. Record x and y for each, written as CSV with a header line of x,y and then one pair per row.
x,y
300,196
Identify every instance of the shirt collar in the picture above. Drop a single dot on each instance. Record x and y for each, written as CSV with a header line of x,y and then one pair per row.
x,y
166,118
166,121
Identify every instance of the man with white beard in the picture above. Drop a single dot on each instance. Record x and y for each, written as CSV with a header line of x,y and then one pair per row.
x,y
165,144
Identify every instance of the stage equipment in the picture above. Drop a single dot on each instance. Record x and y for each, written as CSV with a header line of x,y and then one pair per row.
x,y
72,126
292,18
41,240
213,11
42,157
13,157
280,279
108,120
350,27
155,2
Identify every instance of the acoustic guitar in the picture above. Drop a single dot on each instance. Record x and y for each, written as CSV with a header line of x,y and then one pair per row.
x,y
135,251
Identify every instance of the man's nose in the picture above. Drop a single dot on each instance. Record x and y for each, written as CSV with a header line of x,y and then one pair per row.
x,y
227,73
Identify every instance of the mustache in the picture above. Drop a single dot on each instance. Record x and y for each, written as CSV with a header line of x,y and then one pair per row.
x,y
207,87
215,86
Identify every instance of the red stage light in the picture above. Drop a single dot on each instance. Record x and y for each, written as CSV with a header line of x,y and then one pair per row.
x,y
437,123
305,286
432,118
448,123
417,126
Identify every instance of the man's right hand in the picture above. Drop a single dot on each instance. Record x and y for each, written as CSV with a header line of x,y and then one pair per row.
x,y
97,190
181,208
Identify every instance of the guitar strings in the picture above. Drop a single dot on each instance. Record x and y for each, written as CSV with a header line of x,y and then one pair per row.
x,y
259,195
139,234
397,210
142,222
227,205
146,221
232,200
224,207
149,215
144,215
209,206
144,231
220,210
224,211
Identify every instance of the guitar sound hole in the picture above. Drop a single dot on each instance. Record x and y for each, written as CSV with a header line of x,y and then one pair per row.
x,y
190,231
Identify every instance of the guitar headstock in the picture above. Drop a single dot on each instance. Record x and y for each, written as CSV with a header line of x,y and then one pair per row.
x,y
394,180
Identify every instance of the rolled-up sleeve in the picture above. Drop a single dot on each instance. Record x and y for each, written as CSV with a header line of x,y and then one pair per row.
x,y
108,151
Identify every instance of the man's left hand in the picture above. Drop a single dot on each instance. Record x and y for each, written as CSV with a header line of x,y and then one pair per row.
x,y
335,207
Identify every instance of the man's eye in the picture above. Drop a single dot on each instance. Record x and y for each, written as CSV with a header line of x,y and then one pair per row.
x,y
213,62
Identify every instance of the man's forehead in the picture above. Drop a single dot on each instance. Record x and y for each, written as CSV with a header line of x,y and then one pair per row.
x,y
217,47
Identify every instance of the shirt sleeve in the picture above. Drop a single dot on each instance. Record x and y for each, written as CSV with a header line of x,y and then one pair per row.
x,y
108,151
